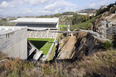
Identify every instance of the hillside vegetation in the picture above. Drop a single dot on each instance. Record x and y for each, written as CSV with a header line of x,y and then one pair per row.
x,y
4,22
86,22
101,64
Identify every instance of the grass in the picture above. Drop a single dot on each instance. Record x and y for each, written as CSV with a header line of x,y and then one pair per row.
x,y
107,45
52,53
60,26
100,64
84,25
15,68
43,44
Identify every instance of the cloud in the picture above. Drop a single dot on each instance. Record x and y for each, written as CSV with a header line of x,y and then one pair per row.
x,y
93,5
59,4
36,2
10,4
45,7
4,4
35,7
16,3
98,3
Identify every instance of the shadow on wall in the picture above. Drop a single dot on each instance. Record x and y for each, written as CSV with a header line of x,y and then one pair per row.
x,y
114,42
32,51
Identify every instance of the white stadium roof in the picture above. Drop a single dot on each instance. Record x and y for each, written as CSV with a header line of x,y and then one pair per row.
x,y
36,20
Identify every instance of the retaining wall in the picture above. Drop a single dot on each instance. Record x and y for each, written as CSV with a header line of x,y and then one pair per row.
x,y
14,44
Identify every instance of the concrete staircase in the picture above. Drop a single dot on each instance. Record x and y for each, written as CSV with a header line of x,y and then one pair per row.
x,y
34,53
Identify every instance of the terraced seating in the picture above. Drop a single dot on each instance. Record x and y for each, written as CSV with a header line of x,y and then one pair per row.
x,y
41,34
29,34
38,34
44,34
49,34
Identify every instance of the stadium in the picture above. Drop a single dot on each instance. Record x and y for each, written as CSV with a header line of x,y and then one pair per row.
x,y
41,39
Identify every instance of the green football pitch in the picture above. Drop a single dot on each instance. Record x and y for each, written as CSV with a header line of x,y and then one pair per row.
x,y
42,44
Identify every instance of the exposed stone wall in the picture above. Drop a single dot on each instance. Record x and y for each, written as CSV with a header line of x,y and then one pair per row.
x,y
85,43
106,26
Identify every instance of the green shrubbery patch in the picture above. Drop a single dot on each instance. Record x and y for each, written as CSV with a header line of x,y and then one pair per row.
x,y
84,26
62,27
107,45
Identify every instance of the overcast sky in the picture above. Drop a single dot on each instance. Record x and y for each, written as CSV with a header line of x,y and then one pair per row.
x,y
46,7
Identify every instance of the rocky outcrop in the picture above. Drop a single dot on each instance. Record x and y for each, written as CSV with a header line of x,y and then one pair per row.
x,y
106,25
85,43
66,49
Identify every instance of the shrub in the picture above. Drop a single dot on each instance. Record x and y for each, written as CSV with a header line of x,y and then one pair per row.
x,y
107,45
63,29
85,26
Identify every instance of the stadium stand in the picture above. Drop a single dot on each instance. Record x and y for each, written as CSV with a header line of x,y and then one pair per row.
x,y
41,34
39,27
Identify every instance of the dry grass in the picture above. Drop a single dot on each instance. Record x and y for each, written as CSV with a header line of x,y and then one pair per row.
x,y
15,68
100,64
52,53
2,56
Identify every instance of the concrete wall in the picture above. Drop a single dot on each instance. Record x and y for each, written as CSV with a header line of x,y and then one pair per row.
x,y
14,44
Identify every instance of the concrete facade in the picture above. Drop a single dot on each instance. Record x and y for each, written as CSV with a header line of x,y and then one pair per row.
x,y
13,41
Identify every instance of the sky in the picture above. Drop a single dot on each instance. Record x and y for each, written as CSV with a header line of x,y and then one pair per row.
x,y
46,7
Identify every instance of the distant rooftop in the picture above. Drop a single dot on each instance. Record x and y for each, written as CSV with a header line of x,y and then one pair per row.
x,y
36,20
9,29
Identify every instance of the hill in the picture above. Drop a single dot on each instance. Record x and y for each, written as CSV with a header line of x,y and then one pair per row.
x,y
89,10
106,14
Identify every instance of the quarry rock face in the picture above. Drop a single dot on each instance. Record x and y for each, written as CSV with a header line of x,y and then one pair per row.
x,y
85,43
106,25
66,48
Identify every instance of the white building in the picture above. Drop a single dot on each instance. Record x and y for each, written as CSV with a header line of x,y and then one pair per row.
x,y
90,14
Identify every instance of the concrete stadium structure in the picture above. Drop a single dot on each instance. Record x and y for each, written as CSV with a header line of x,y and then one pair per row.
x,y
13,41
39,27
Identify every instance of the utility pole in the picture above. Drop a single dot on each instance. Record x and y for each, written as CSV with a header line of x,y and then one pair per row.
x,y
68,28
